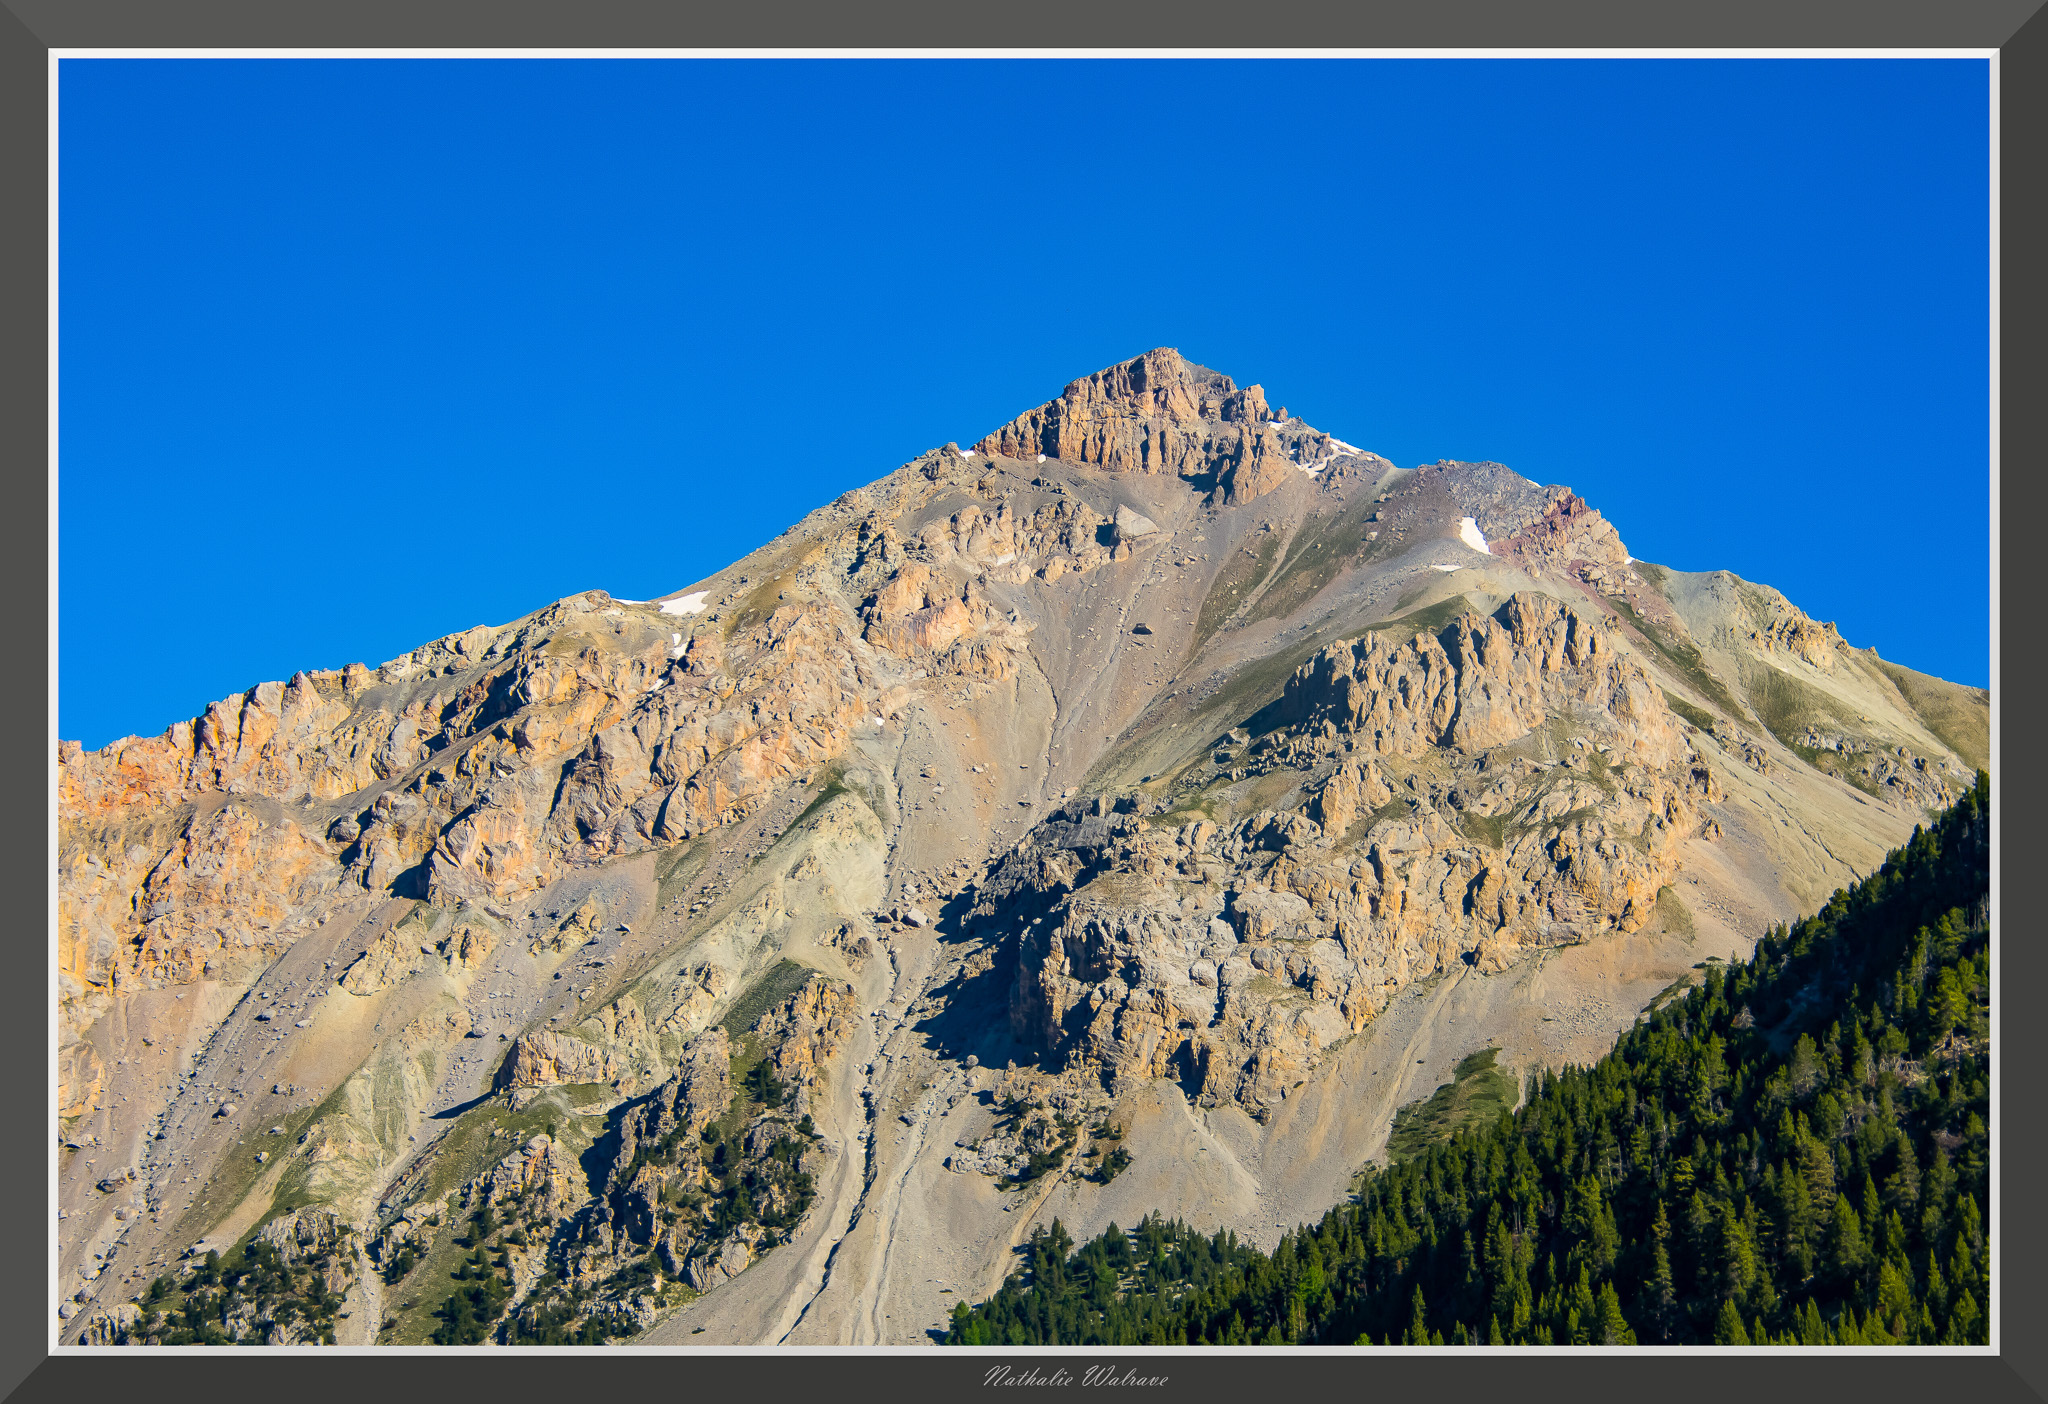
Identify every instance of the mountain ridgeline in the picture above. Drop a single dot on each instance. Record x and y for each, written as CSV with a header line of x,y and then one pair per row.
x,y
1793,1153
1144,809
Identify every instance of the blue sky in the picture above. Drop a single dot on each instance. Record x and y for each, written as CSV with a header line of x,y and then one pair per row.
x,y
357,354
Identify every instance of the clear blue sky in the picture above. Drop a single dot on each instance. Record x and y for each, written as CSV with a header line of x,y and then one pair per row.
x,y
357,354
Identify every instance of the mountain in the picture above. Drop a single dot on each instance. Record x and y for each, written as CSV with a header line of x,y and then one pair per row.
x,y
1713,1180
1131,812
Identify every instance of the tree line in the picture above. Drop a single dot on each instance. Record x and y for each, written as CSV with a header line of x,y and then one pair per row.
x,y
1794,1152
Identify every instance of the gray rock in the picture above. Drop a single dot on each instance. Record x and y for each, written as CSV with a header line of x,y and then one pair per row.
x,y
1132,525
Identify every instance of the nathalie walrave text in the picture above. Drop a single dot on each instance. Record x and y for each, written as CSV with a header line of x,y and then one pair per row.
x,y
1060,1379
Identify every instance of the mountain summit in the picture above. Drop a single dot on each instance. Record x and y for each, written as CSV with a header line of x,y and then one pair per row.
x,y
1163,414
1132,812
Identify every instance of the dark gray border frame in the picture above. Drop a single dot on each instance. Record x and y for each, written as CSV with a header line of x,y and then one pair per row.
x,y
29,28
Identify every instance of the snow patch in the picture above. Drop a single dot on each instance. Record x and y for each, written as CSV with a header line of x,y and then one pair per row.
x,y
1450,567
688,604
675,638
1041,458
1469,533
967,453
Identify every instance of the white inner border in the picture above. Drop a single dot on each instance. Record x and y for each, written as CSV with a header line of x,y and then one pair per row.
x,y
58,56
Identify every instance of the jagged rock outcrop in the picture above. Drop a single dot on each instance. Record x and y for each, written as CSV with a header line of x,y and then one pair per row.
x,y
1161,414
1556,793
545,1058
326,1241
1485,682
707,1174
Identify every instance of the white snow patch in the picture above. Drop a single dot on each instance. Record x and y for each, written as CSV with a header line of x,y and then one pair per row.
x,y
675,638
1630,561
1449,567
1469,533
1343,447
688,604
659,685
1004,559
674,654
967,453
1041,458
617,600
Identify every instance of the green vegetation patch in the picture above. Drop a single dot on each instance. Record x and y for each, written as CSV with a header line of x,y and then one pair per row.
x,y
1320,551
1675,990
1476,1094
1107,1150
778,983
1569,818
1190,805
238,1171
1430,619
444,1293
677,867
1683,656
760,602
1399,807
242,1298
1787,706
486,1134
832,787
1959,717
1672,913
1233,585
1699,717
1486,830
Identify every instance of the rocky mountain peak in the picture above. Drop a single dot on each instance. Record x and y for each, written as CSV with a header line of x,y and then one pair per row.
x,y
1161,413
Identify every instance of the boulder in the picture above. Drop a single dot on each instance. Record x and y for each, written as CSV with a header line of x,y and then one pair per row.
x,y
1131,526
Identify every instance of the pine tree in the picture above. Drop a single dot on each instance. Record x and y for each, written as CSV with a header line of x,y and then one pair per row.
x,y
1614,1328
1728,1328
1418,1327
1846,1253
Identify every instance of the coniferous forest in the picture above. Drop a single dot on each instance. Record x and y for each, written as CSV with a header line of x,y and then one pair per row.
x,y
1794,1153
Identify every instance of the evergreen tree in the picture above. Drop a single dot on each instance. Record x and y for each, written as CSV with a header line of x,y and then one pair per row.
x,y
1728,1328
